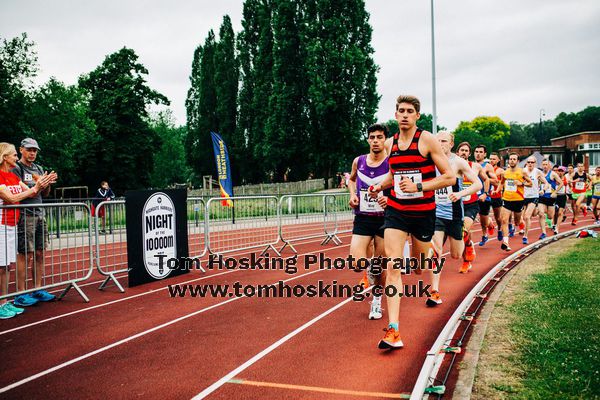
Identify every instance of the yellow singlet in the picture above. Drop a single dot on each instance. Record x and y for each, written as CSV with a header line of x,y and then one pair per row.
x,y
512,191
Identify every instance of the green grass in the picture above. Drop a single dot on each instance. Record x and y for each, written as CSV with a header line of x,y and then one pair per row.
x,y
557,327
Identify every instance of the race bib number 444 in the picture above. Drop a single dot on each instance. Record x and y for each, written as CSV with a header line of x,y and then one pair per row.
x,y
369,204
415,176
441,195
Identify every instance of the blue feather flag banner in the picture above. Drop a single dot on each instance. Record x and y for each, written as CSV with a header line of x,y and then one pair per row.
x,y
223,168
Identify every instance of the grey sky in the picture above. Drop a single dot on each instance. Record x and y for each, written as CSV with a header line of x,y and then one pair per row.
x,y
508,58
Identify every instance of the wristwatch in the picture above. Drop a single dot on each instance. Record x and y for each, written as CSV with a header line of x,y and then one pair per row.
x,y
419,187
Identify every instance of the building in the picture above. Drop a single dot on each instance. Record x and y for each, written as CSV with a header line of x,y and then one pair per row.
x,y
570,149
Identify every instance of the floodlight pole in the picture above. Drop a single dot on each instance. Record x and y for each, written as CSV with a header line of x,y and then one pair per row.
x,y
434,116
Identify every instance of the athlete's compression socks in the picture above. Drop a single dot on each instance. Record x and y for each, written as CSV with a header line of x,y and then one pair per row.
x,y
393,325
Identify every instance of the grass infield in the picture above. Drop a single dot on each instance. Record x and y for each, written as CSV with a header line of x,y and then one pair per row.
x,y
556,328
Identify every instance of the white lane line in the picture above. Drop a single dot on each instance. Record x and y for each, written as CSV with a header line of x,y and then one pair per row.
x,y
269,349
17,328
138,335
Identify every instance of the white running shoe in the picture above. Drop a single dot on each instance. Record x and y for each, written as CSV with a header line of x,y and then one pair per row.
x,y
376,312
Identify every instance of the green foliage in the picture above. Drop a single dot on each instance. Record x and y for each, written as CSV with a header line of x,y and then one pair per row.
x,y
489,131
18,66
586,120
170,165
118,96
58,119
426,123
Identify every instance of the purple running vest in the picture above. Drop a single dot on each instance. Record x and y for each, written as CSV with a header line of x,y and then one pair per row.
x,y
367,176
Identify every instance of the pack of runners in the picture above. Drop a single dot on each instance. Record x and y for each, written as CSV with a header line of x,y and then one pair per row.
x,y
412,185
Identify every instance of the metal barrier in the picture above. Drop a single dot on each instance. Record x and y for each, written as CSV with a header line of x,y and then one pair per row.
x,y
43,261
302,217
251,222
344,215
111,244
111,237
436,353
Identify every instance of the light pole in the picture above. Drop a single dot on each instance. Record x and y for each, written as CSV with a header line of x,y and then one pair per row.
x,y
542,114
434,116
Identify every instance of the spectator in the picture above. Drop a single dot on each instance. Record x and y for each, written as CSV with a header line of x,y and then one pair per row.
x,y
12,191
32,227
104,193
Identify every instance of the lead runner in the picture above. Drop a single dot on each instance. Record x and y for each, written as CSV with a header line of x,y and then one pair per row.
x,y
414,155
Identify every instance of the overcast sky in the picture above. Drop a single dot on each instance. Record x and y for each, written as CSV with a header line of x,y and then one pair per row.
x,y
509,58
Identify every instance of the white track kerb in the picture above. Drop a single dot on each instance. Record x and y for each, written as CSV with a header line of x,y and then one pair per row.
x,y
435,356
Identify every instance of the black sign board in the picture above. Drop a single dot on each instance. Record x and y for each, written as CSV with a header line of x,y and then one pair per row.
x,y
156,229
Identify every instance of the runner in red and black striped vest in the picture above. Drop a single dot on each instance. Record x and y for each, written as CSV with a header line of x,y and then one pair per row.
x,y
414,155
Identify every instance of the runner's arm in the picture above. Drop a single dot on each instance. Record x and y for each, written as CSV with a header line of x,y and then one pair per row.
x,y
463,168
352,184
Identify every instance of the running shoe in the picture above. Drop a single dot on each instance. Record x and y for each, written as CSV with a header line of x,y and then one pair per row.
x,y
597,222
490,230
484,240
435,299
585,210
469,253
505,246
25,300
6,313
555,230
465,267
525,241
511,230
42,295
543,236
574,222
564,218
364,281
522,226
548,222
375,312
391,340
16,310
522,232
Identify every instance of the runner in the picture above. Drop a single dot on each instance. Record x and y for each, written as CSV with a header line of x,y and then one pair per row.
x,y
579,185
571,200
449,211
367,170
548,199
471,205
596,195
485,201
532,195
513,180
496,194
561,198
414,156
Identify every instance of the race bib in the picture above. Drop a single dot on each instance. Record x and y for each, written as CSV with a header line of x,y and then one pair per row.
x,y
511,185
441,195
415,176
369,204
597,189
579,185
466,185
562,190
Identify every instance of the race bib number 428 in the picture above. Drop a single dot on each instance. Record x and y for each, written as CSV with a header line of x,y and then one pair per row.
x,y
369,204
415,176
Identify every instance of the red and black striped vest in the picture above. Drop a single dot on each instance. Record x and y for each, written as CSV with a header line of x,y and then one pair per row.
x,y
466,183
412,164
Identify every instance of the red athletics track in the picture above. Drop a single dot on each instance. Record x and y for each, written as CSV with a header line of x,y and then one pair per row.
x,y
143,343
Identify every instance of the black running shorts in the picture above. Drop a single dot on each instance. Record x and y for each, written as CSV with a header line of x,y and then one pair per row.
x,y
533,200
484,207
420,226
366,225
547,201
514,206
561,201
496,202
453,228
471,210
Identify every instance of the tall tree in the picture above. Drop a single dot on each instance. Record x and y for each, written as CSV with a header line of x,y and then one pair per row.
x,y
226,81
490,131
118,99
342,95
18,66
201,105
286,132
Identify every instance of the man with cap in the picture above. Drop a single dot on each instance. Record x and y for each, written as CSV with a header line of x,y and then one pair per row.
x,y
32,229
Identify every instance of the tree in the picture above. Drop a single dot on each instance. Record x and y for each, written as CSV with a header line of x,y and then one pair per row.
x,y
342,97
201,106
118,97
286,131
18,66
489,131
521,135
586,120
58,119
170,165
226,82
